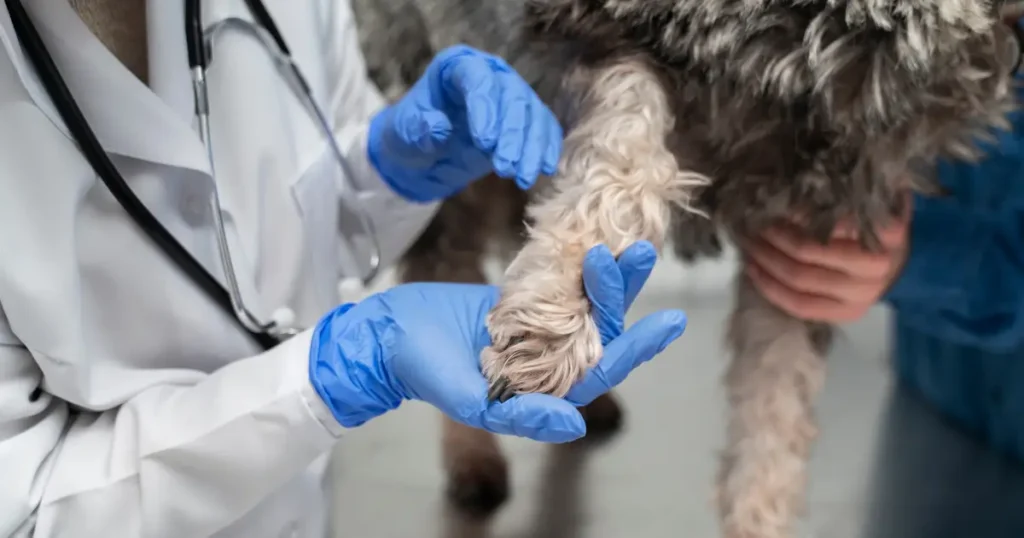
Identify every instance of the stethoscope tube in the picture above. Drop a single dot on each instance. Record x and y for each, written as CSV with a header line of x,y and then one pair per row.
x,y
197,56
93,151
200,41
266,32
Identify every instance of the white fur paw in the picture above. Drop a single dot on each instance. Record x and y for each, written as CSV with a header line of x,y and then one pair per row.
x,y
544,341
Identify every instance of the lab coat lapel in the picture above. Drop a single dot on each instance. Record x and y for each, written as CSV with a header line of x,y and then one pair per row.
x,y
127,117
169,76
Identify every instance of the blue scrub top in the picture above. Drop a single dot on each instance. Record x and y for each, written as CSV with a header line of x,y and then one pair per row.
x,y
959,304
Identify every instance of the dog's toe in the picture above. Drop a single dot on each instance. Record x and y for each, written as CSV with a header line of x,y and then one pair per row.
x,y
501,390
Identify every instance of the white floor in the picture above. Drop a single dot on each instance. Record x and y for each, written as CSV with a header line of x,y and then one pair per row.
x,y
885,467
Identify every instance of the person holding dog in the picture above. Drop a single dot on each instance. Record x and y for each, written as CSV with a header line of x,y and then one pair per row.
x,y
952,269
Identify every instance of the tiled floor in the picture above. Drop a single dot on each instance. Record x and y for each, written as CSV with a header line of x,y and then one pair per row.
x,y
884,467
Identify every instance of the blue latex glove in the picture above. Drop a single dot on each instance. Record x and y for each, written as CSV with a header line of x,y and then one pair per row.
x,y
470,113
423,342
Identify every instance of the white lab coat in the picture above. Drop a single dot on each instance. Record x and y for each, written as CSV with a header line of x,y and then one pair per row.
x,y
130,405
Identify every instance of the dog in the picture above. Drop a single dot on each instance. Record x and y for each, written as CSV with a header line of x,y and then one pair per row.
x,y
690,122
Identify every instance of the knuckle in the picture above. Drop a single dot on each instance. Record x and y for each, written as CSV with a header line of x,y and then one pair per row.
x,y
803,277
802,251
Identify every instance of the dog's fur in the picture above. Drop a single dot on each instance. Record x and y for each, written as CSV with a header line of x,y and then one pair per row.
x,y
744,111
683,118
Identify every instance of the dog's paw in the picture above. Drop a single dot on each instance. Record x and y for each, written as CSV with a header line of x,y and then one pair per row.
x,y
478,483
542,343
604,417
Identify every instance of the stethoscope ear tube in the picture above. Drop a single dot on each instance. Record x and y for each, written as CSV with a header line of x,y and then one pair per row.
x,y
194,35
97,157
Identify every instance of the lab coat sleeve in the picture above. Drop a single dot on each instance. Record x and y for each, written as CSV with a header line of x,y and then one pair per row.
x,y
354,102
171,462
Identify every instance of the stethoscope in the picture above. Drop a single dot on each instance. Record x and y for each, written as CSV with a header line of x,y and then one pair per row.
x,y
200,48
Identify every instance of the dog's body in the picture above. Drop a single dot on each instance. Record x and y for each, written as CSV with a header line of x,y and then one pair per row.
x,y
744,111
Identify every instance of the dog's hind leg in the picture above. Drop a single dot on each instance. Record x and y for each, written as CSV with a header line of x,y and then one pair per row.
x,y
776,373
617,184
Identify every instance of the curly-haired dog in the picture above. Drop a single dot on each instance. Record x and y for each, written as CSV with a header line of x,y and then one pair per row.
x,y
685,118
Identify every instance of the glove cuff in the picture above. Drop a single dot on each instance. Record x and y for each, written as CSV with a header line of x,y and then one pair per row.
x,y
345,370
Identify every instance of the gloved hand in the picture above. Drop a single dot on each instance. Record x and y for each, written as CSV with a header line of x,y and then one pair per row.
x,y
470,113
423,342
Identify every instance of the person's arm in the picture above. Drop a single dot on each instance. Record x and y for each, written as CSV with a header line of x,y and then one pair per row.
x,y
172,461
963,279
353,102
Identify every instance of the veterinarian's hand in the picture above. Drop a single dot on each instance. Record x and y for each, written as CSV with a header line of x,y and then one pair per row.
x,y
837,282
423,342
469,114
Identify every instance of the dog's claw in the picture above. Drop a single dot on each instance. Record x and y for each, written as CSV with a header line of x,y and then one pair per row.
x,y
500,390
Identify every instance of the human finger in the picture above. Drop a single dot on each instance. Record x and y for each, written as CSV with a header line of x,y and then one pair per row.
x,y
636,264
801,305
840,255
645,339
845,229
513,116
604,286
804,277
535,141
553,149
540,417
470,81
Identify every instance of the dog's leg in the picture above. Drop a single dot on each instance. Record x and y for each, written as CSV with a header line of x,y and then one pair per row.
x,y
476,468
776,372
617,184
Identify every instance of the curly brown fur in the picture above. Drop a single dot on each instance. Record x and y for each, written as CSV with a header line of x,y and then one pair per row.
x,y
692,117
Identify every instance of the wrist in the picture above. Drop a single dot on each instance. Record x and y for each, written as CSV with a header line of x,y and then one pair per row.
x,y
347,370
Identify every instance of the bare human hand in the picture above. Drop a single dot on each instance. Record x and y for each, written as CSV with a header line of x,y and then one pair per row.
x,y
837,282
